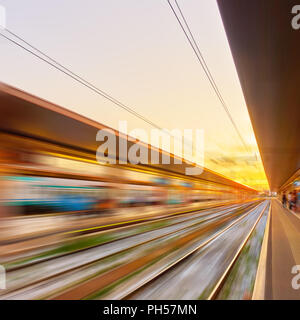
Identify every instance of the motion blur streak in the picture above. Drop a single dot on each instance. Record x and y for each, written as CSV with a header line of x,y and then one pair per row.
x,y
59,205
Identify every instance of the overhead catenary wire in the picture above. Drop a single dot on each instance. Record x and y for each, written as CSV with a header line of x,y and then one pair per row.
x,y
67,71
208,74
189,36
55,64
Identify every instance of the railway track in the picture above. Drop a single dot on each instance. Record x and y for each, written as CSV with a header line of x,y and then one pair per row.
x,y
87,290
22,288
28,260
90,228
220,284
80,233
134,289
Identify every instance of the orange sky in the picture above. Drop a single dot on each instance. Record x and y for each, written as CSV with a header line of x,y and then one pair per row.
x,y
136,51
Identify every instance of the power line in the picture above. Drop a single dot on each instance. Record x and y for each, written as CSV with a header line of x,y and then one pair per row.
x,y
205,68
55,64
60,67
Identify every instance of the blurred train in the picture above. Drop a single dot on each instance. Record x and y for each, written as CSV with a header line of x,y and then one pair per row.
x,y
46,183
48,165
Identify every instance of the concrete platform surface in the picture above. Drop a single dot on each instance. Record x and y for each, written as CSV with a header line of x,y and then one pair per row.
x,y
283,255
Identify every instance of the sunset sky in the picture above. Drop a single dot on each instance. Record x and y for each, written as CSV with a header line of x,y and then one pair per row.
x,y
135,51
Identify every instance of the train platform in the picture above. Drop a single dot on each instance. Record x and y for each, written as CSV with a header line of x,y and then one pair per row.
x,y
282,254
